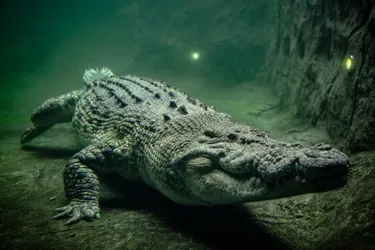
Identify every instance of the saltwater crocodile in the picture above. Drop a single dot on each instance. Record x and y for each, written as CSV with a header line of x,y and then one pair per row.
x,y
148,131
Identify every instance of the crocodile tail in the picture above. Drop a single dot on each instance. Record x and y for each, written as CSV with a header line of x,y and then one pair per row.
x,y
90,75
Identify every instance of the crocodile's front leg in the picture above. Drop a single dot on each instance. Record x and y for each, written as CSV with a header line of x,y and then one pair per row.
x,y
81,182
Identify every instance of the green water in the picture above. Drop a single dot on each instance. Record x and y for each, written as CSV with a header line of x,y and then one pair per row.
x,y
47,45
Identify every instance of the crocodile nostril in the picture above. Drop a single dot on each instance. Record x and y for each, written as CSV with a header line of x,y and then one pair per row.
x,y
222,154
232,137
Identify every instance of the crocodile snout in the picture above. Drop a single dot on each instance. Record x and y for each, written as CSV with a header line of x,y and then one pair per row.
x,y
316,164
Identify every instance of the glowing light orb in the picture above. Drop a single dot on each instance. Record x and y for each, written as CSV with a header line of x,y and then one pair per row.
x,y
349,62
195,56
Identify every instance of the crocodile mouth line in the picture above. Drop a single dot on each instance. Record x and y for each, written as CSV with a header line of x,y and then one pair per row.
x,y
295,174
269,182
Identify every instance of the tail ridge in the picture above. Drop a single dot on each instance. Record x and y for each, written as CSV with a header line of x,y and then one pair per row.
x,y
90,75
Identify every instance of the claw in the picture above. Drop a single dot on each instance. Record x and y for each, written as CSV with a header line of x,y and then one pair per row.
x,y
31,133
62,214
27,135
62,209
77,210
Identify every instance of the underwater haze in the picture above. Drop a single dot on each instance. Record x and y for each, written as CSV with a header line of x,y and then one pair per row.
x,y
46,51
281,67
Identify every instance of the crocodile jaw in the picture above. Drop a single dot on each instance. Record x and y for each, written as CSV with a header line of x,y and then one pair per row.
x,y
215,186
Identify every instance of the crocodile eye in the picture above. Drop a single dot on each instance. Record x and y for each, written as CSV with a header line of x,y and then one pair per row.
x,y
232,137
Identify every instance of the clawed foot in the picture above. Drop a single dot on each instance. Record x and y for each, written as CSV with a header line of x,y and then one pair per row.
x,y
79,209
31,133
28,135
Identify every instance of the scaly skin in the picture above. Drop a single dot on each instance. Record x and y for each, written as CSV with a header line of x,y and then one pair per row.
x,y
148,131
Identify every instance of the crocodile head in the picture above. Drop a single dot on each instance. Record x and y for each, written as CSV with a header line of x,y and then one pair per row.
x,y
241,164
